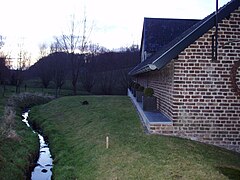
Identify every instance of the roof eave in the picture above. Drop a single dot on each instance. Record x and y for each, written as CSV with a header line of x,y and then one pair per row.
x,y
140,70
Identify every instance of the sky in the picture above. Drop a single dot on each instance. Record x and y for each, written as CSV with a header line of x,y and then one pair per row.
x,y
114,23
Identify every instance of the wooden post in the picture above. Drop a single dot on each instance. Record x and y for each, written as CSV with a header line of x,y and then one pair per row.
x,y
107,142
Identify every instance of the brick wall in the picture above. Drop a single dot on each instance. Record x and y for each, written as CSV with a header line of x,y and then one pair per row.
x,y
164,90
197,94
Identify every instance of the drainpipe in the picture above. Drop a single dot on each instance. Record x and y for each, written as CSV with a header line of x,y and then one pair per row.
x,y
216,31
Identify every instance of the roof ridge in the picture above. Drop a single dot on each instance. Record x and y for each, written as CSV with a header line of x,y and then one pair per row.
x,y
172,19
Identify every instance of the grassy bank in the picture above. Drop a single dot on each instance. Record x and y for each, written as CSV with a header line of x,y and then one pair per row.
x,y
18,144
16,154
16,151
77,136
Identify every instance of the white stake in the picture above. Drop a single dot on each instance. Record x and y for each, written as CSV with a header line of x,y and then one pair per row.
x,y
107,142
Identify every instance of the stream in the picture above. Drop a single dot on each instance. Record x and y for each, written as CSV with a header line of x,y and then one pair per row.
x,y
43,168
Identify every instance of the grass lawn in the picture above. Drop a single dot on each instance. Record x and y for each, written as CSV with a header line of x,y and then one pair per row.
x,y
77,135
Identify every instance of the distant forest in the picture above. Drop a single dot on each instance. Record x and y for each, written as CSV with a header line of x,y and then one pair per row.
x,y
97,73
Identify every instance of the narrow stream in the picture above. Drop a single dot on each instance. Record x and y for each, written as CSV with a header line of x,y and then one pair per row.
x,y
43,169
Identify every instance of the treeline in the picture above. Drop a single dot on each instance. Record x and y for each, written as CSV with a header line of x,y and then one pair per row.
x,y
5,73
102,73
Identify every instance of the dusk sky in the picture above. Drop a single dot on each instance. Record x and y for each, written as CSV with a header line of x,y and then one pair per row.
x,y
115,23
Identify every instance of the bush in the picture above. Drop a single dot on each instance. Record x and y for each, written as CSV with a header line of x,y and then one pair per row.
x,y
19,101
140,88
131,84
136,86
24,100
148,91
8,121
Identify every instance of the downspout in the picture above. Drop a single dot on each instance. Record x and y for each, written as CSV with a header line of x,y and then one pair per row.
x,y
216,31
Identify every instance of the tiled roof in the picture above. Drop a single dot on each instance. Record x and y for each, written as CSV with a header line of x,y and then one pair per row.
x,y
173,48
158,32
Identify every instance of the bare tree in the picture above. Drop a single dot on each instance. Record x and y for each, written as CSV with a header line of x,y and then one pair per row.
x,y
45,71
87,73
107,81
1,41
23,62
55,47
45,77
87,80
58,71
58,79
4,71
73,43
96,49
43,50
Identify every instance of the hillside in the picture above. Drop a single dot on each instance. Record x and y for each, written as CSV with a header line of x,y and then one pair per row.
x,y
103,73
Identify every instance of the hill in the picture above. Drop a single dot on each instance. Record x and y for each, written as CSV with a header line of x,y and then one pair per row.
x,y
103,73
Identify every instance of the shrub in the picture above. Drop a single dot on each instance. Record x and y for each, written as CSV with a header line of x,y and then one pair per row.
x,y
140,88
24,100
148,91
19,101
136,86
131,84
8,122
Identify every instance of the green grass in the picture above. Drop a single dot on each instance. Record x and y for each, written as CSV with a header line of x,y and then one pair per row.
x,y
77,136
63,92
16,155
34,89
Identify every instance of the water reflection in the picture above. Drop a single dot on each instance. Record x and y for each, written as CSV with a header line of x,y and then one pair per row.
x,y
43,169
